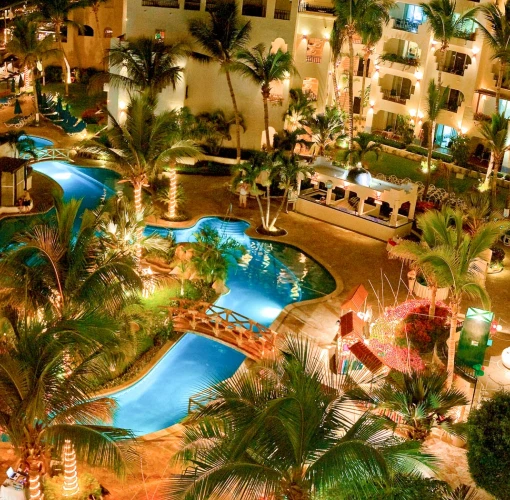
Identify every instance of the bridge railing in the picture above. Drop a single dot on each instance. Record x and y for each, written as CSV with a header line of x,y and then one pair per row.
x,y
253,339
49,154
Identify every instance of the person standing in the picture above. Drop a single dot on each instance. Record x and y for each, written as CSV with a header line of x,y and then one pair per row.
x,y
243,195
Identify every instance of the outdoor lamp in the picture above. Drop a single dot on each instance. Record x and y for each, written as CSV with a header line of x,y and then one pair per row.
x,y
329,185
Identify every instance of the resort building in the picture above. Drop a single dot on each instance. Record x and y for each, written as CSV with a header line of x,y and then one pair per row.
x,y
399,68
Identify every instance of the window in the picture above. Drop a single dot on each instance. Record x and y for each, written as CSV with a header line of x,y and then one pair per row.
x,y
108,32
314,50
86,30
504,108
159,36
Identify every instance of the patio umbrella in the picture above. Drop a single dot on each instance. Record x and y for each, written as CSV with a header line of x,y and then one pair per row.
x,y
13,85
17,108
20,81
58,109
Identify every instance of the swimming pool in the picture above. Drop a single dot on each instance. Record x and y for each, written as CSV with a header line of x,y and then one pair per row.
x,y
271,276
190,366
39,142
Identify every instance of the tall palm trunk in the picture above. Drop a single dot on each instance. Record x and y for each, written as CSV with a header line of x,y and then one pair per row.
x,y
26,77
236,114
351,85
429,158
280,208
366,56
433,299
137,193
440,61
34,478
36,97
501,72
494,184
95,9
261,209
265,99
450,367
65,63
336,92
268,207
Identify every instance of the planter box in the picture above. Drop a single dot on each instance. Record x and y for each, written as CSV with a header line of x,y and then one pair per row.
x,y
424,292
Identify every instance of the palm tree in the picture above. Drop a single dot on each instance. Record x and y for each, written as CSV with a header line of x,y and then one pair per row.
x,y
452,260
149,65
336,42
222,37
495,133
421,400
497,36
290,171
282,430
445,24
57,13
57,266
20,143
325,129
370,36
95,5
264,69
217,128
436,101
212,254
140,147
46,400
356,15
300,108
363,146
30,51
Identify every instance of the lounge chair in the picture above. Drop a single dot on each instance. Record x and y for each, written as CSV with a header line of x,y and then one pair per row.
x,y
79,127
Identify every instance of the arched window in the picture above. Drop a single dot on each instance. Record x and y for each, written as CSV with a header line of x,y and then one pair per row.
x,y
108,32
86,31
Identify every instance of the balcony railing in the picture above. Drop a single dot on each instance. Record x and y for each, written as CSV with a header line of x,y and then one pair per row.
x,y
395,58
254,10
323,9
284,15
190,5
454,71
313,59
405,25
209,6
393,96
452,106
465,35
170,4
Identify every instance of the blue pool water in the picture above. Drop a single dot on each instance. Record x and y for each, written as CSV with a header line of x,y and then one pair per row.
x,y
39,142
271,276
189,367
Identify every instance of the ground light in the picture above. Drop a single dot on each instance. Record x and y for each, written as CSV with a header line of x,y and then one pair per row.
x,y
70,487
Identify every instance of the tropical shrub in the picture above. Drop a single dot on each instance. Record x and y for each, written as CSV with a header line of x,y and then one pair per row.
x,y
91,116
388,142
422,151
88,486
394,58
488,454
53,74
460,150
422,331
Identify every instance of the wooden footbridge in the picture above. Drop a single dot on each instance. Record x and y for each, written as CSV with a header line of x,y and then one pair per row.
x,y
50,154
251,338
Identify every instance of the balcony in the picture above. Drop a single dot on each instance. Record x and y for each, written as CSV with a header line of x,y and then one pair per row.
x,y
284,15
169,4
394,95
455,63
454,101
406,25
313,7
254,9
191,5
406,61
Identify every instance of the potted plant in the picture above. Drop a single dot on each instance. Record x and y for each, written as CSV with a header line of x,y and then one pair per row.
x,y
497,258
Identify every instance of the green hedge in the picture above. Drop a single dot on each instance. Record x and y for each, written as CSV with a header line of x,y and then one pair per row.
x,y
246,154
436,155
388,142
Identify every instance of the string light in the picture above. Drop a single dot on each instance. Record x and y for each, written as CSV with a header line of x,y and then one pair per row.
x,y
70,487
35,488
172,208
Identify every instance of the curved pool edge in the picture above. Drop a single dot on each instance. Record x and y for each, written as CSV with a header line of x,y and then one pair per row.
x,y
252,233
145,370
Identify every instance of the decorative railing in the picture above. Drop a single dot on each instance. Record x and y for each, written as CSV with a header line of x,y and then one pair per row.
x,y
170,4
284,15
49,154
322,9
313,59
188,5
253,339
210,6
405,25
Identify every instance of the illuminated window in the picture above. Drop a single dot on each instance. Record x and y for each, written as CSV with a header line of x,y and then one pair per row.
x,y
159,36
108,32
